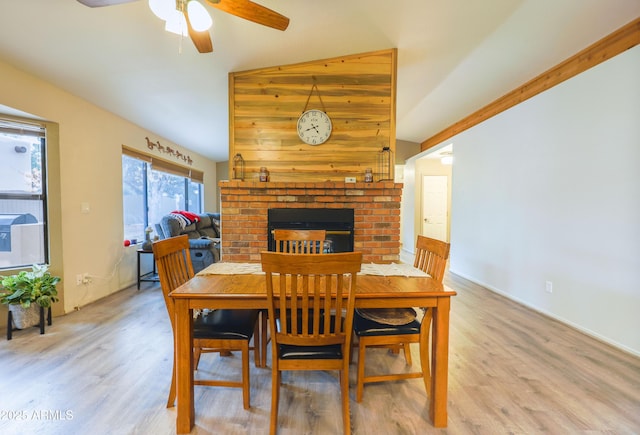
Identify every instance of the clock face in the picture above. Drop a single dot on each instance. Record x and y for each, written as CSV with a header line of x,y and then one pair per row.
x,y
314,127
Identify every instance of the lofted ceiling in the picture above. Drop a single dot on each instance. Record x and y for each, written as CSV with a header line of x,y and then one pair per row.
x,y
454,56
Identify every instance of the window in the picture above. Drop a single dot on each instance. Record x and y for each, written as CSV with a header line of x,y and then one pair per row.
x,y
23,187
152,188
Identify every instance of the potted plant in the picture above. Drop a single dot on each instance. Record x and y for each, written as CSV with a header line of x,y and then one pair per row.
x,y
25,292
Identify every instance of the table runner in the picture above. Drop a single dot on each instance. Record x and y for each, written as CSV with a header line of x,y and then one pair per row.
x,y
392,269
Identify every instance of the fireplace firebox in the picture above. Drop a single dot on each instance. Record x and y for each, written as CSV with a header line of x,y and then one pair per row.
x,y
338,223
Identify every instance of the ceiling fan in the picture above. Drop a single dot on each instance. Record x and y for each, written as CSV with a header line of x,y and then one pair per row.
x,y
192,11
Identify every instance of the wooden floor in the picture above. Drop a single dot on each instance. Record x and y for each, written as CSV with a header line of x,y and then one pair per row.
x,y
106,370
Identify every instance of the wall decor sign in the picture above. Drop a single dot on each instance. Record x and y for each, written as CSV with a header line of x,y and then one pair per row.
x,y
168,150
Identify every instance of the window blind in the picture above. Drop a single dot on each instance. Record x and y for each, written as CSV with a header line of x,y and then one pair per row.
x,y
163,165
22,128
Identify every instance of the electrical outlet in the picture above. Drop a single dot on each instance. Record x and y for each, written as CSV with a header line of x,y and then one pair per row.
x,y
79,279
549,287
86,278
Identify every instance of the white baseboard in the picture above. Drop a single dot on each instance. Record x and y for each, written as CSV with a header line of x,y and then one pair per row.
x,y
550,315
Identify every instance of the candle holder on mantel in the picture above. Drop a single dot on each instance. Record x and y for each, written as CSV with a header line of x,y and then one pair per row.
x,y
385,164
238,167
368,176
264,174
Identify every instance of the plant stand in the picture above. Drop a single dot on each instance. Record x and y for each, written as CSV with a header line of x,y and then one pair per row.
x,y
10,327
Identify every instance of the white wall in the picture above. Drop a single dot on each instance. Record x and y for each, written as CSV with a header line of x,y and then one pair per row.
x,y
550,191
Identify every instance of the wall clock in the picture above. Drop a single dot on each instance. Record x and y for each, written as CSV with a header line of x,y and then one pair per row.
x,y
314,127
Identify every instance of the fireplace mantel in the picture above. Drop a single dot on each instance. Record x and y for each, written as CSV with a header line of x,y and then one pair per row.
x,y
245,204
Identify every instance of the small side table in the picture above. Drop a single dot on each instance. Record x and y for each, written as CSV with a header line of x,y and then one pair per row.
x,y
149,276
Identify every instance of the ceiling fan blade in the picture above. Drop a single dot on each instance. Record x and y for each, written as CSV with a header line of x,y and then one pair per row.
x,y
202,40
100,3
253,12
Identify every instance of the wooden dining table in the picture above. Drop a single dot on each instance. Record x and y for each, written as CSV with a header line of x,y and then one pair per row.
x,y
248,290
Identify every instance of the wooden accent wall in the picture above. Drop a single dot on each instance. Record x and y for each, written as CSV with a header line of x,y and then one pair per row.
x,y
359,95
376,212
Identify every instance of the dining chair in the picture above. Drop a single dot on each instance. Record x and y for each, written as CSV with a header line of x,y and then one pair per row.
x,y
431,257
299,241
220,330
292,242
311,304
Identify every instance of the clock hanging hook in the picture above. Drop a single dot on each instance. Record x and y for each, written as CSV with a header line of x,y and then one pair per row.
x,y
314,86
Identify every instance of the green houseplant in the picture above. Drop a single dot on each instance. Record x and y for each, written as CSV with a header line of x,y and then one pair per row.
x,y
25,292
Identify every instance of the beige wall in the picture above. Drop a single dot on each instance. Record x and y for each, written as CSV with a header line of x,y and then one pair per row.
x,y
89,171
405,150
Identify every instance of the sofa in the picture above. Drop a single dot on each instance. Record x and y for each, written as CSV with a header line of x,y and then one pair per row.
x,y
204,235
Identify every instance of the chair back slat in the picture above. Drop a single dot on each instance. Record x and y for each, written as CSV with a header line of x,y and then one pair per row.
x,y
299,241
173,264
431,256
312,294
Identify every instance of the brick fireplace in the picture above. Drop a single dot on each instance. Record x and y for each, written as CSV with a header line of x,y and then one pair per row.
x,y
245,205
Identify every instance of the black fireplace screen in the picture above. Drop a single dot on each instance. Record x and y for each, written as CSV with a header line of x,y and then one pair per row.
x,y
338,223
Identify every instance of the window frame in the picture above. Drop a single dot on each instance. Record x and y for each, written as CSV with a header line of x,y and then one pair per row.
x,y
33,128
189,176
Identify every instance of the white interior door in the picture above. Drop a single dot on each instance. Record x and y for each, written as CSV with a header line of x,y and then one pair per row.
x,y
434,206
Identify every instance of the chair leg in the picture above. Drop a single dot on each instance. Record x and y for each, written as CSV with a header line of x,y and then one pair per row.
x,y
362,348
354,343
344,387
246,390
171,401
257,346
425,328
263,338
275,397
407,353
197,351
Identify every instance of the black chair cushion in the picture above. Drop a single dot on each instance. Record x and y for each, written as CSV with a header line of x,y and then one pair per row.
x,y
364,327
226,324
287,351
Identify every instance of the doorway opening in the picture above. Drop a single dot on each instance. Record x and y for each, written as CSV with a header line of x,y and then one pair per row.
x,y
433,178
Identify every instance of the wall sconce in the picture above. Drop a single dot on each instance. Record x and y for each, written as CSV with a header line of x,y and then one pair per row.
x,y
238,167
385,164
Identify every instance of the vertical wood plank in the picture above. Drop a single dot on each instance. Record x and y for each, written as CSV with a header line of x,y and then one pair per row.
x,y
359,95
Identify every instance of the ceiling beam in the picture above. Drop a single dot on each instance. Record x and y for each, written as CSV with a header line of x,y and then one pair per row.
x,y
617,42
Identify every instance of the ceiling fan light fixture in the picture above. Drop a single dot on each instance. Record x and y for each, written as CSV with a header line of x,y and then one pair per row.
x,y
162,8
198,16
177,23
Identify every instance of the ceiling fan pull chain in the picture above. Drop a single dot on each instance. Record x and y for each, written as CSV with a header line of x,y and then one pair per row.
x,y
319,97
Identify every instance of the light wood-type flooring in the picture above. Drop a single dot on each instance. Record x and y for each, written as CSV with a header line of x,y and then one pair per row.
x,y
106,370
